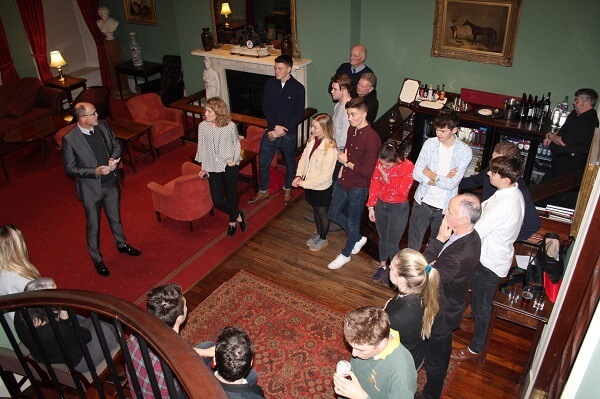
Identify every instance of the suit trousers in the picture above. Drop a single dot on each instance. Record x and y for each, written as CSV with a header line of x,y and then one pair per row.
x,y
439,348
110,197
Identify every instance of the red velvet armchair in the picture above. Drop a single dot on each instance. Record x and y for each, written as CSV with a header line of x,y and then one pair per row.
x,y
254,135
185,198
167,123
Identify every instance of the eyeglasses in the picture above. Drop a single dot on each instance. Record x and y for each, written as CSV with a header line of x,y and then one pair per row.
x,y
93,113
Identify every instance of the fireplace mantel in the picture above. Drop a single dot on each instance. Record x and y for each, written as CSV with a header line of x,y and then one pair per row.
x,y
222,60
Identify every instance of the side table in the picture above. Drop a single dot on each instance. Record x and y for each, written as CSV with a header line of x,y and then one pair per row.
x,y
146,70
129,131
68,85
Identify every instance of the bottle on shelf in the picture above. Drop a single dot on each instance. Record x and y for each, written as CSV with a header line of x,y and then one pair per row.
x,y
546,108
529,108
523,108
564,107
430,92
443,92
536,110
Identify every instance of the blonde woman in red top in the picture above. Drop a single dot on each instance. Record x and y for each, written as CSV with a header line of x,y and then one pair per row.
x,y
388,202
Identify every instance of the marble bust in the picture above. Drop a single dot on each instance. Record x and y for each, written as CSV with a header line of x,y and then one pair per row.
x,y
107,25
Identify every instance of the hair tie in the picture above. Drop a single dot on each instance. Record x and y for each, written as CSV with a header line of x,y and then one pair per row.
x,y
428,268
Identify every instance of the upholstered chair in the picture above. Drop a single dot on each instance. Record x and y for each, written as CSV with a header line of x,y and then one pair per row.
x,y
167,123
254,135
185,198
97,95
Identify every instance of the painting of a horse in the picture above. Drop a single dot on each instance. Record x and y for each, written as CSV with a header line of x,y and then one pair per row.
x,y
480,31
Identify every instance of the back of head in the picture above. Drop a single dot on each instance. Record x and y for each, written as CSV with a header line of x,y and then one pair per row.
x,y
507,148
39,315
446,119
344,81
358,103
14,256
166,303
507,167
366,325
470,207
233,354
285,59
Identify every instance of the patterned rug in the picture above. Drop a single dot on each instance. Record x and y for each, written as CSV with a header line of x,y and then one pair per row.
x,y
297,341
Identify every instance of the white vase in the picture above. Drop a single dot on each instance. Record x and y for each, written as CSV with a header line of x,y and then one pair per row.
x,y
135,50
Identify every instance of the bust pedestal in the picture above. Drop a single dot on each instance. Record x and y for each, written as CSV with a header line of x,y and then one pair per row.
x,y
114,57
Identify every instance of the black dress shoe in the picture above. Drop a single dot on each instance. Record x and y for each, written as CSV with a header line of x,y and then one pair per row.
x,y
231,231
101,268
129,250
243,225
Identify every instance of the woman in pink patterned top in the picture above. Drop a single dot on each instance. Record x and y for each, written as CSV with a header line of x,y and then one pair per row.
x,y
388,202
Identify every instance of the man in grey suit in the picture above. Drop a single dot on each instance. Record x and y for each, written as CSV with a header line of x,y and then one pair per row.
x,y
90,155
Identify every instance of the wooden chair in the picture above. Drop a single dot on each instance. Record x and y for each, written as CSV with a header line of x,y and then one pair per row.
x,y
185,198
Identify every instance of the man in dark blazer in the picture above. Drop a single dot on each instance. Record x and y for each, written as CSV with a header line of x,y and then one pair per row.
x,y
90,155
455,254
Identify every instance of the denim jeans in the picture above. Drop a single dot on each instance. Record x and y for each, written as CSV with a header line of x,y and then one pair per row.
x,y
287,146
390,222
483,287
421,217
225,181
355,199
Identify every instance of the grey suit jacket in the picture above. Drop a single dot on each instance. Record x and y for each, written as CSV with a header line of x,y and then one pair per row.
x,y
80,161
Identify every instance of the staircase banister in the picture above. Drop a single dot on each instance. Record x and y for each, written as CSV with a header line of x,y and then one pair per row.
x,y
191,372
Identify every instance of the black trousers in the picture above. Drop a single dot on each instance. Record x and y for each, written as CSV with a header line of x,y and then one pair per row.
x,y
227,182
439,348
109,199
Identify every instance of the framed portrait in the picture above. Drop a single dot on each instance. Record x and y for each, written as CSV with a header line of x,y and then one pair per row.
x,y
476,30
140,12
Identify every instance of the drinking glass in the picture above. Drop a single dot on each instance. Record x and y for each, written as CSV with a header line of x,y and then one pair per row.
x,y
392,119
526,296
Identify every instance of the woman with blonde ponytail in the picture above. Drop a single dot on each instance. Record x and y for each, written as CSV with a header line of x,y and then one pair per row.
x,y
414,308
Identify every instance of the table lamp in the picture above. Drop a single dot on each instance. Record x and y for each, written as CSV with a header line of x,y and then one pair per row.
x,y
225,10
57,61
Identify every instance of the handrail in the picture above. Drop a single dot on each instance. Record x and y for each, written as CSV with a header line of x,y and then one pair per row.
x,y
169,346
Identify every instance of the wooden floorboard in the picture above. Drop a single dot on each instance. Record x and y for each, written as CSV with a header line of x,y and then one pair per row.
x,y
278,253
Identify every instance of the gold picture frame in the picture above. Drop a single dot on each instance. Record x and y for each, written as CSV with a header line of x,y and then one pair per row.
x,y
140,12
476,30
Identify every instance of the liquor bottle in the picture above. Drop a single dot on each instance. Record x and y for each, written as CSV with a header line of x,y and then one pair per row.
x,y
426,91
529,108
443,92
536,110
565,104
436,93
546,108
523,108
430,92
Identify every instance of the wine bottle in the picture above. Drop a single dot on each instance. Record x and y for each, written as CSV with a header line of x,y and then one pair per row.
x,y
547,105
536,110
523,108
529,108
565,104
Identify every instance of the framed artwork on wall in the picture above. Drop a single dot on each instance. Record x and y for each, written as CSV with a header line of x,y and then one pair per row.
x,y
140,12
476,30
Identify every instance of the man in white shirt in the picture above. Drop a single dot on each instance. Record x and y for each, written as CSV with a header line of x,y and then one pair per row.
x,y
439,169
498,227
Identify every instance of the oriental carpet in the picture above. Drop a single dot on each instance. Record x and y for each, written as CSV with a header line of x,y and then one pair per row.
x,y
297,340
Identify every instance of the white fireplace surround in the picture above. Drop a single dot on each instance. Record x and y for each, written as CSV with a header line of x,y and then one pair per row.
x,y
222,60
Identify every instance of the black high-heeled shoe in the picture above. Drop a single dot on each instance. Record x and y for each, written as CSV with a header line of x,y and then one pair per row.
x,y
243,225
231,231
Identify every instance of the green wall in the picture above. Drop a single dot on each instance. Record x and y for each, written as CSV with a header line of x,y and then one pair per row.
x,y
557,48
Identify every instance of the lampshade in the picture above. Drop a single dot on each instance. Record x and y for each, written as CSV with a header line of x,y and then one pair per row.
x,y
225,10
56,60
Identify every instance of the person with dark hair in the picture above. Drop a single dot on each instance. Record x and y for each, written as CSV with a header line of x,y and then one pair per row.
x,y
366,88
441,164
90,155
498,227
570,146
44,331
234,354
388,202
219,151
341,87
168,304
381,367
455,253
351,188
414,308
283,106
531,220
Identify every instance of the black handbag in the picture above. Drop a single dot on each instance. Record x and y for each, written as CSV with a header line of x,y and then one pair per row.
x,y
549,259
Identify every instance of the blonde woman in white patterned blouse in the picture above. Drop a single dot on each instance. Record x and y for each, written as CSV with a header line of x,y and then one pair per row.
x,y
219,152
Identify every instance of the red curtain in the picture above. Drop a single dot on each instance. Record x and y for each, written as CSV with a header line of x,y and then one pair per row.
x,y
32,16
7,67
89,11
